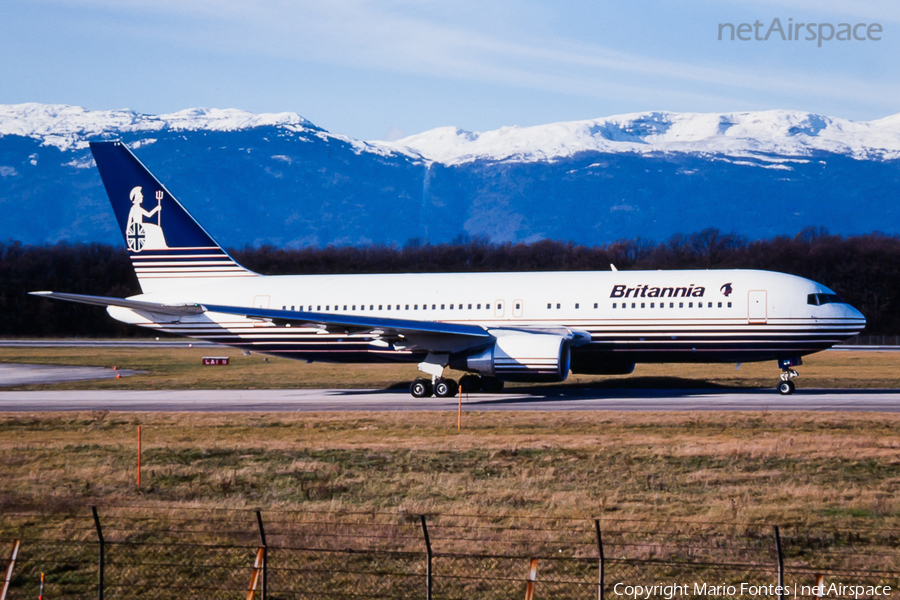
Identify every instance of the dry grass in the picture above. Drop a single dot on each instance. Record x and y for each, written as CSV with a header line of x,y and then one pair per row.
x,y
180,368
788,468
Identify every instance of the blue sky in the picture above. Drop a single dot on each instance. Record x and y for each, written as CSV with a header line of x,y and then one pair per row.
x,y
377,70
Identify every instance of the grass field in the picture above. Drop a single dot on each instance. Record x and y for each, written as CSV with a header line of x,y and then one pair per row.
x,y
800,468
181,368
788,468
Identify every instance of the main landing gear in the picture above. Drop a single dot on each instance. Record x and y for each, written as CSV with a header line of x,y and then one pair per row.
x,y
444,387
440,387
786,386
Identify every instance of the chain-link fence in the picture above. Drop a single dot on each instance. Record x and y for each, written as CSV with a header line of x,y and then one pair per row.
x,y
128,552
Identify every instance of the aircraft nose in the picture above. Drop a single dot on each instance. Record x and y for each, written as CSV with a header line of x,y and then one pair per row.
x,y
856,315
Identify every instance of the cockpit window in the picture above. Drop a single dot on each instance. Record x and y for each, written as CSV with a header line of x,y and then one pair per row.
x,y
820,299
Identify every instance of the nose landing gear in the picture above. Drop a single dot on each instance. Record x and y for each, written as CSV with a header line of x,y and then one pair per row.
x,y
786,386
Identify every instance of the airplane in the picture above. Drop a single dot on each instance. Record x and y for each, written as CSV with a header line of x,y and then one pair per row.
x,y
496,327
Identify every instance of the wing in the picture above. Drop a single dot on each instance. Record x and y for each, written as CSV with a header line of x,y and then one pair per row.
x,y
353,323
435,335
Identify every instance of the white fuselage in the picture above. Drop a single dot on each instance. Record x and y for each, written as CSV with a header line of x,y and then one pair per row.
x,y
631,316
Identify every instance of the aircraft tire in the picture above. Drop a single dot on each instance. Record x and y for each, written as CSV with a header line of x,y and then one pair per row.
x,y
786,388
420,388
445,388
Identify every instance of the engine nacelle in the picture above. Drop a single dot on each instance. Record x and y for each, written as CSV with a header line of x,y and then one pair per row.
x,y
520,357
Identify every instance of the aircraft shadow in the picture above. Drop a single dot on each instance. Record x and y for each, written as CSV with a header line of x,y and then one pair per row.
x,y
634,387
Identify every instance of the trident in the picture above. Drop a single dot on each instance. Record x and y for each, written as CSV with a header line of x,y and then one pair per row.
x,y
159,197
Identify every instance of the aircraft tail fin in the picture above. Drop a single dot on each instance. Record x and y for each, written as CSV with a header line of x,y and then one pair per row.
x,y
166,244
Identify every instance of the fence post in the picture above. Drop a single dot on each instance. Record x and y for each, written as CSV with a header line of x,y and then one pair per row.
x,y
9,569
820,586
255,573
265,556
780,564
428,578
602,558
532,576
102,552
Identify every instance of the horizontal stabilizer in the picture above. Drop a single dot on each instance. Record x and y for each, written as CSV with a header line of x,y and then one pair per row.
x,y
175,310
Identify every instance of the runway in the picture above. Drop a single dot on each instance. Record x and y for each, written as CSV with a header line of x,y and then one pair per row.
x,y
20,374
542,399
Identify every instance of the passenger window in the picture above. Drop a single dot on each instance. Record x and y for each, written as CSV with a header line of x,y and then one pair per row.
x,y
479,307
407,307
518,306
729,305
380,305
720,305
470,307
389,307
442,306
652,305
595,305
487,306
433,306
690,305
614,305
557,306
415,307
681,305
549,305
576,305
354,307
451,307
642,305
671,305
633,305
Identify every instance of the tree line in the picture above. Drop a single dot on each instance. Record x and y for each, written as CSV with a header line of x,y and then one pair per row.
x,y
864,270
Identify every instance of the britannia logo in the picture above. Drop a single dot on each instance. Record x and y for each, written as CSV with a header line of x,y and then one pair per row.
x,y
141,234
726,289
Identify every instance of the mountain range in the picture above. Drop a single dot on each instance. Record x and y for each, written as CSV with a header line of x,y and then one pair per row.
x,y
278,179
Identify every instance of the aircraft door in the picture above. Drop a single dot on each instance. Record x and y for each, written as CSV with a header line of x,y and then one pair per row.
x,y
756,306
498,309
261,301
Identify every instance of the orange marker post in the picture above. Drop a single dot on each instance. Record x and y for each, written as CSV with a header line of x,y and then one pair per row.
x,y
41,591
139,458
459,411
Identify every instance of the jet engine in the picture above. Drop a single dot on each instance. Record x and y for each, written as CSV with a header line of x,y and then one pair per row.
x,y
520,357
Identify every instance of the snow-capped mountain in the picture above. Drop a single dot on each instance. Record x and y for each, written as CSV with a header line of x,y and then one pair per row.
x,y
781,132
71,127
279,179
